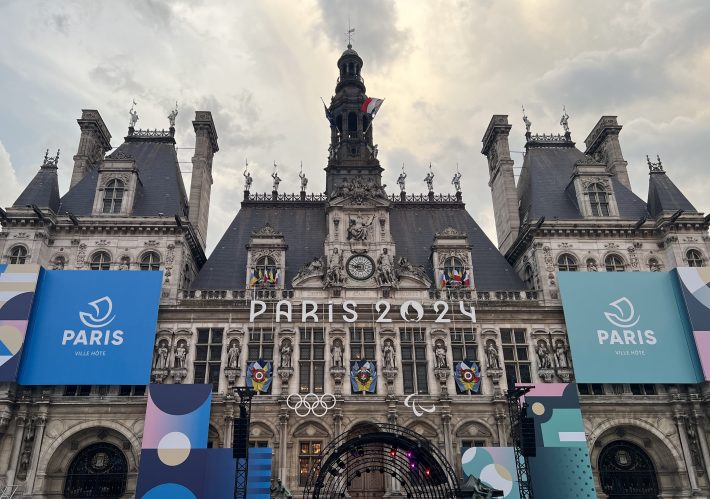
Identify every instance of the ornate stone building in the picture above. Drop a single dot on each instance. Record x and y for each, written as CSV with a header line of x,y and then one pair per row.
x,y
355,258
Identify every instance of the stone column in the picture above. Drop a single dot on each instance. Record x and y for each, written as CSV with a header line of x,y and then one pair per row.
x,y
283,445
500,426
40,422
680,423
20,422
702,437
446,428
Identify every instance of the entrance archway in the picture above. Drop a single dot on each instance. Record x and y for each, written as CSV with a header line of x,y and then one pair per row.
x,y
626,472
367,485
402,457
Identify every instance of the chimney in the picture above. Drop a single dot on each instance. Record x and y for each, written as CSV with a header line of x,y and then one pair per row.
x,y
603,143
94,143
201,181
502,181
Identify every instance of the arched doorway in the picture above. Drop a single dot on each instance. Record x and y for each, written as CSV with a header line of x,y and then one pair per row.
x,y
399,455
366,485
626,472
97,471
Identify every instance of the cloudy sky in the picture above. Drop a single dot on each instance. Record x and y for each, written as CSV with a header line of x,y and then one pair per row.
x,y
444,68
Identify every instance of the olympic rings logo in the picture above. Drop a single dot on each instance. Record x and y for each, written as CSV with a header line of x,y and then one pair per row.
x,y
318,405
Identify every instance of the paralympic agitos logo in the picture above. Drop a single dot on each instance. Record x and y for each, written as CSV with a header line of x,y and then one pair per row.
x,y
97,331
625,331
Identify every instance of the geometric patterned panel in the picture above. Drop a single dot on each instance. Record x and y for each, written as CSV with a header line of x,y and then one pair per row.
x,y
259,477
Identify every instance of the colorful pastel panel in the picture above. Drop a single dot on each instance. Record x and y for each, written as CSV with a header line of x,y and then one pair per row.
x,y
18,284
177,417
695,288
494,466
259,476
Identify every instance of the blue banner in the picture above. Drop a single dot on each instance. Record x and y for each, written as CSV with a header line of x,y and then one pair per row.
x,y
92,328
628,327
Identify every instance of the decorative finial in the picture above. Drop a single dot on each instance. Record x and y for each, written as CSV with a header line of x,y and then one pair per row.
x,y
654,167
456,181
134,115
247,176
46,156
564,121
429,179
350,34
401,179
527,122
56,158
173,114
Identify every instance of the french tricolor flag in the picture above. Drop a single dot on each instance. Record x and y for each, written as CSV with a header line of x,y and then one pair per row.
x,y
371,106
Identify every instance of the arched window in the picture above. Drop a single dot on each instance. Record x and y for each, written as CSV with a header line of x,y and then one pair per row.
x,y
266,272
100,261
695,259
150,261
598,200
614,263
18,255
567,262
352,122
113,196
455,272
529,277
626,472
98,470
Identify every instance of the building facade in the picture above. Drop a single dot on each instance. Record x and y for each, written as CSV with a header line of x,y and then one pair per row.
x,y
314,283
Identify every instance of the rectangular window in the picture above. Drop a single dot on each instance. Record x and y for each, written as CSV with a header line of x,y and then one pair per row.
x,y
131,390
467,444
258,444
643,389
309,453
311,364
414,364
515,355
590,389
261,345
362,344
77,390
464,347
208,356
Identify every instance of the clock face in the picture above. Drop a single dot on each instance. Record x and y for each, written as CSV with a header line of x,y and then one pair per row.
x,y
361,267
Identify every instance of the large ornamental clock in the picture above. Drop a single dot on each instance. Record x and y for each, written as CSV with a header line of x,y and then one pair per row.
x,y
360,267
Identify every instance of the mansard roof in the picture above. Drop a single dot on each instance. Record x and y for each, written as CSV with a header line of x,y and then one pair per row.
x,y
161,188
544,187
664,196
42,191
303,226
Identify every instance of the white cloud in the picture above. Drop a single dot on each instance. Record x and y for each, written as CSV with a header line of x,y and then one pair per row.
x,y
10,186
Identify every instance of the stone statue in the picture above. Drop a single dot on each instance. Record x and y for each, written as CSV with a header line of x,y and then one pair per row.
x,y
285,352
527,122
58,263
388,355
385,268
401,179
247,178
134,116
280,491
564,121
173,114
429,179
358,229
277,179
304,180
233,356
544,360
492,361
180,356
161,359
336,353
440,355
591,265
335,276
123,264
562,354
456,181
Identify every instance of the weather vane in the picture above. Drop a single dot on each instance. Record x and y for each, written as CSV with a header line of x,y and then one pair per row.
x,y
350,34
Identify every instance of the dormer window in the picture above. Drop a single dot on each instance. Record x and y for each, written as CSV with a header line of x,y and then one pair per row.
x,y
598,200
455,273
567,263
18,255
113,196
614,263
265,273
100,261
695,259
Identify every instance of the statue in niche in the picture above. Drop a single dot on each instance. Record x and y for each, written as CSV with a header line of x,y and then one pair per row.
x,y
124,263
233,355
385,269
336,353
562,354
181,355
388,355
544,356
492,361
440,354
161,358
591,265
286,353
58,263
358,228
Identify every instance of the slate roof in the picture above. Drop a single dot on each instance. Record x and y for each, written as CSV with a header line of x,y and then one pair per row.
x,y
304,229
161,189
663,195
43,190
544,188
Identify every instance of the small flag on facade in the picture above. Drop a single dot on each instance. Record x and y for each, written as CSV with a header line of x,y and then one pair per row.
x,y
442,281
252,278
328,115
467,279
371,106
